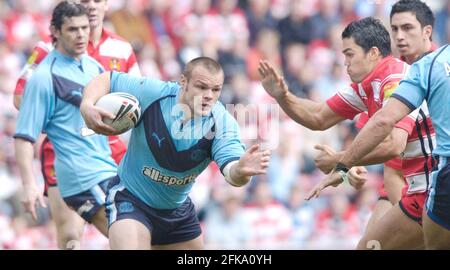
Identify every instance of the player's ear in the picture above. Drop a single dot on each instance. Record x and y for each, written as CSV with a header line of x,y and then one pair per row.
x,y
374,53
54,32
428,31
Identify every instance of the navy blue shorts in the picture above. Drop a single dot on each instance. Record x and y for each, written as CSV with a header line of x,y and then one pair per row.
x,y
438,201
87,203
165,226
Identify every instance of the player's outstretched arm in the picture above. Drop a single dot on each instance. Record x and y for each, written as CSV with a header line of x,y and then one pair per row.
x,y
332,179
310,114
392,146
253,162
98,87
356,178
31,194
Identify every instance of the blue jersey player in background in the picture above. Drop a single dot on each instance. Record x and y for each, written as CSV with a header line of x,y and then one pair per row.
x,y
428,79
183,128
51,105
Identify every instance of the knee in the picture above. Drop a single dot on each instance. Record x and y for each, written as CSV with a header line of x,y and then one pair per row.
x,y
69,236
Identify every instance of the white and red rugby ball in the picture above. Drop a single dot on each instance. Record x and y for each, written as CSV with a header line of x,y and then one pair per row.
x,y
124,106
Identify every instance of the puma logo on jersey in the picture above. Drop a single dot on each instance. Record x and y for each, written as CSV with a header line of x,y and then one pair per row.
x,y
447,68
158,140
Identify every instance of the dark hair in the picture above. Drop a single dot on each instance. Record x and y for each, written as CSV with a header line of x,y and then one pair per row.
x,y
66,9
367,33
421,10
208,63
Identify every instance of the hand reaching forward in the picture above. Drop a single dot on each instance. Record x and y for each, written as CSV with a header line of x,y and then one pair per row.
x,y
253,162
272,82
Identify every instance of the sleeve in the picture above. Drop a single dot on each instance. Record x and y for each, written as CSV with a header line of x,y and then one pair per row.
x,y
39,52
37,107
413,87
347,103
227,145
146,90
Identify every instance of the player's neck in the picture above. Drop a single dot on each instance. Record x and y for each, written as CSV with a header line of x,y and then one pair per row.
x,y
96,35
412,58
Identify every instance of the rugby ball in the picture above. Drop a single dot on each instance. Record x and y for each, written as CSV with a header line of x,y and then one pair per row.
x,y
124,106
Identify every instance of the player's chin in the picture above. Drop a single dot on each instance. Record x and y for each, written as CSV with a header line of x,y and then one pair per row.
x,y
80,50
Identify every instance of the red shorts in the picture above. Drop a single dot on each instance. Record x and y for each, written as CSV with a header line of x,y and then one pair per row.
x,y
412,204
47,154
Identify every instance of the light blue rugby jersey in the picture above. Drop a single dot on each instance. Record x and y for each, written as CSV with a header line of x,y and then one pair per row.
x,y
164,157
51,104
429,79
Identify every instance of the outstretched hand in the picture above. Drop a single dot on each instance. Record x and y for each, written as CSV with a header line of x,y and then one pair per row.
x,y
333,179
272,82
254,161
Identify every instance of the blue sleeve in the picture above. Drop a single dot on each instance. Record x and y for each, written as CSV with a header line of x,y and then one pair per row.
x,y
36,108
146,90
412,89
227,145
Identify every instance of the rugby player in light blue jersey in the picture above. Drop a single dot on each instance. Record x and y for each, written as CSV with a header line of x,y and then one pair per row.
x,y
183,128
51,105
429,80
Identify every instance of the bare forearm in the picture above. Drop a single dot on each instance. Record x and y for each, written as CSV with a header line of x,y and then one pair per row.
x,y
98,87
303,111
24,156
382,153
367,140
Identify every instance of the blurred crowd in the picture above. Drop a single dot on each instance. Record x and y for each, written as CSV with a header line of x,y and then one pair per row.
x,y
300,37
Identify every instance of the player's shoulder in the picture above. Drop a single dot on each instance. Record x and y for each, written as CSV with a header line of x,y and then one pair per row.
x,y
115,38
220,112
45,46
46,66
440,54
394,66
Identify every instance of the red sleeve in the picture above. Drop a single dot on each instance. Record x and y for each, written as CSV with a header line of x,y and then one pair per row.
x,y
342,107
